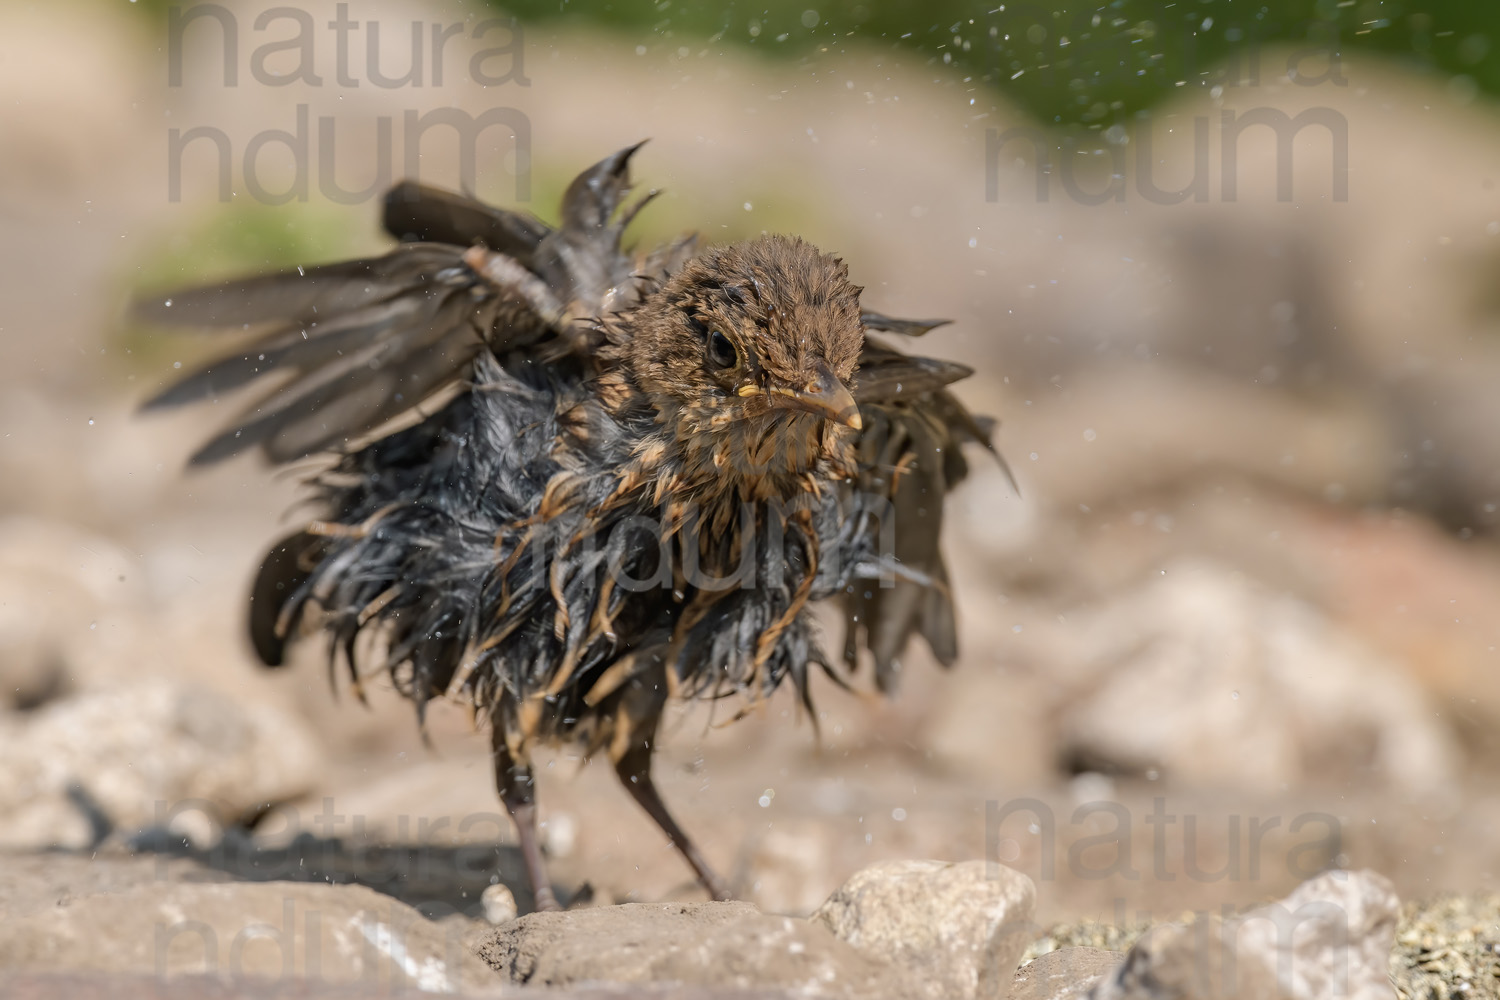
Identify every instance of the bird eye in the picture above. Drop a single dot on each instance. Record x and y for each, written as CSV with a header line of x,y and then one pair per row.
x,y
721,352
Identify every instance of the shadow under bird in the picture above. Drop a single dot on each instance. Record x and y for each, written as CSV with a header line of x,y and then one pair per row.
x,y
570,480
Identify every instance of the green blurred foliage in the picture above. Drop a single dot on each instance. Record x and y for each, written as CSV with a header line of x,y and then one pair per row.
x,y
231,241
243,236
1074,65
1089,64
1067,63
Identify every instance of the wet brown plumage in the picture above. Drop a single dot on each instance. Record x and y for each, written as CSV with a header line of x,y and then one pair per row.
x,y
617,476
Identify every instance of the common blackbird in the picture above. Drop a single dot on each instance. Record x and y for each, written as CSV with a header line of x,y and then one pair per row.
x,y
569,480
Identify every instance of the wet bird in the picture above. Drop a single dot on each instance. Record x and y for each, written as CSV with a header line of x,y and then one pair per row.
x,y
570,480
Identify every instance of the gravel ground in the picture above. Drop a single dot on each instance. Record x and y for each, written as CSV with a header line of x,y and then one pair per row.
x,y
1447,947
1087,934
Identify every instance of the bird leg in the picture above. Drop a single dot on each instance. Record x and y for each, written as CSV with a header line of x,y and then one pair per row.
x,y
517,789
634,771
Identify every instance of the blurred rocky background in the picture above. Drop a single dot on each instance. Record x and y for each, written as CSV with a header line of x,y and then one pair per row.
x,y
1238,626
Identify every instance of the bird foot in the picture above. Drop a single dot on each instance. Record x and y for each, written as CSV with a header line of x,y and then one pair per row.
x,y
545,901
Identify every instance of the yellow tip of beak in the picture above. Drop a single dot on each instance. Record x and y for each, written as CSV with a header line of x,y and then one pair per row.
x,y
826,396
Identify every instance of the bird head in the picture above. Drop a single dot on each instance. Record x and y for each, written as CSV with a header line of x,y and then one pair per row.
x,y
753,339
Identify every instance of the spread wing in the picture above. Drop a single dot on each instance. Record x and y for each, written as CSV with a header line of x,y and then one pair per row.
x,y
354,344
909,455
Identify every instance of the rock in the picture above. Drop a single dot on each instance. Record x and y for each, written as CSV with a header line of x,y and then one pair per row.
x,y
1246,687
36,883
64,986
1062,974
559,832
1196,962
1142,446
499,904
789,865
78,612
723,945
985,722
1332,937
152,753
286,930
60,589
958,929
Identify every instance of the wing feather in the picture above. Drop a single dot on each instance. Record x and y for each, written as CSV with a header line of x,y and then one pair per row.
x,y
905,327
359,389
296,347
415,212
886,375
910,457
360,342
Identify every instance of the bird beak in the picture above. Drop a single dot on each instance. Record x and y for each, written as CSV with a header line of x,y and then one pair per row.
x,y
825,395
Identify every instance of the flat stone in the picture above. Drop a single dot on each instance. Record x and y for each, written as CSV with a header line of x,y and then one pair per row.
x,y
101,986
281,930
108,986
710,945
